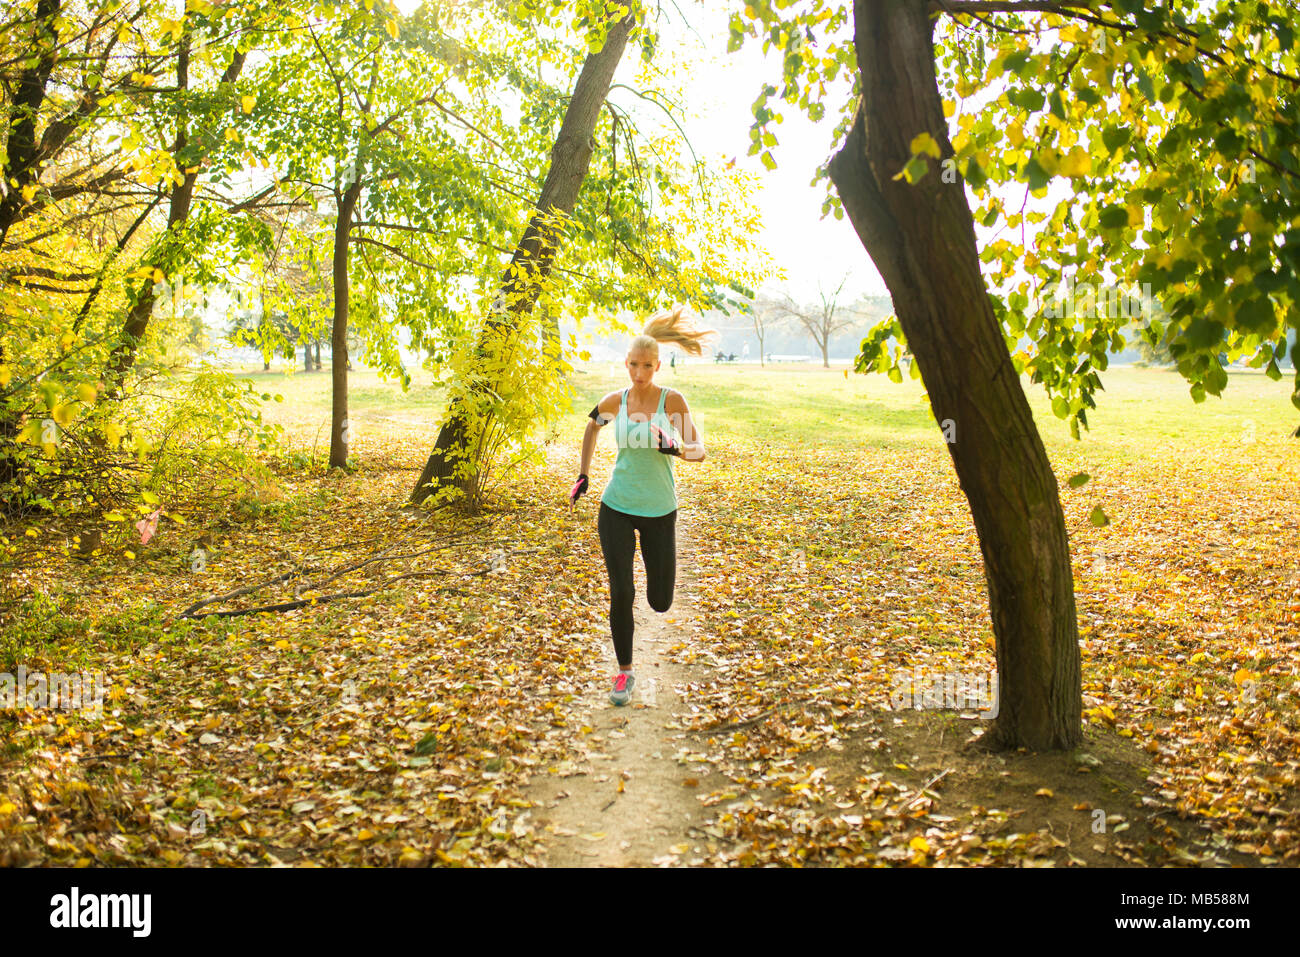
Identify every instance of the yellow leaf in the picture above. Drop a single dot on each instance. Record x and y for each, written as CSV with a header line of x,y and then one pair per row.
x,y
924,143
1049,160
410,856
919,843
6,374
29,192
1076,163
247,102
7,808
86,392
282,644
1044,793
62,413
391,27
158,276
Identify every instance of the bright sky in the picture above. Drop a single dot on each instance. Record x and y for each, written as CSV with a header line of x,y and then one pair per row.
x,y
724,86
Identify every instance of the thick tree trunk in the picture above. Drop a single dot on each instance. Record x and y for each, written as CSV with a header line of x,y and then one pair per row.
x,y
535,254
317,357
340,432
922,239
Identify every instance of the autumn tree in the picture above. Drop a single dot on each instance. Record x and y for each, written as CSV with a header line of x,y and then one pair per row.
x,y
638,221
534,256
823,319
1173,129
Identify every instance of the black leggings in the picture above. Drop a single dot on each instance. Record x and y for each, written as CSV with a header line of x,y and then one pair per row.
x,y
658,554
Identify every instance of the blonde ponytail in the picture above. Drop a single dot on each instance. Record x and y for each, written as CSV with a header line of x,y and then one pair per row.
x,y
674,327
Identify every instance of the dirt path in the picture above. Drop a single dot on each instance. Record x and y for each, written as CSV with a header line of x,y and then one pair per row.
x,y
631,801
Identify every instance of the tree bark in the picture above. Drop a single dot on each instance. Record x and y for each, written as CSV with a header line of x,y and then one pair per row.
x,y
340,431
21,166
535,254
921,237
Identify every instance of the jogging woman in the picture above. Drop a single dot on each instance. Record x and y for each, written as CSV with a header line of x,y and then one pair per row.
x,y
641,494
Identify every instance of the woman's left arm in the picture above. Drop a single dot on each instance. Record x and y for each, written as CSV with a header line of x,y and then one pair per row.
x,y
679,414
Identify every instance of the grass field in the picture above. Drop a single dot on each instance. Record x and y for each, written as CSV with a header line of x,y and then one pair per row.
x,y
1141,412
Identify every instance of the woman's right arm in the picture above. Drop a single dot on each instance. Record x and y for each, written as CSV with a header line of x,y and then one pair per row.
x,y
603,416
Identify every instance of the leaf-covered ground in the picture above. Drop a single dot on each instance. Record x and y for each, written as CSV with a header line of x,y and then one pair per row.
x,y
830,552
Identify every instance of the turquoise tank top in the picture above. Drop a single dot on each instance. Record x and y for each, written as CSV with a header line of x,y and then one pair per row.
x,y
642,481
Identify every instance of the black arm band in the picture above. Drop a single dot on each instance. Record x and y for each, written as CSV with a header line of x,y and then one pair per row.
x,y
600,418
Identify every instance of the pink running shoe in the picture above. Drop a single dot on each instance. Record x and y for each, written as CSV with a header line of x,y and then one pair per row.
x,y
623,685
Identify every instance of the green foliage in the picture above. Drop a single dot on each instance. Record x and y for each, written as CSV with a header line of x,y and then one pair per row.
x,y
1169,136
86,473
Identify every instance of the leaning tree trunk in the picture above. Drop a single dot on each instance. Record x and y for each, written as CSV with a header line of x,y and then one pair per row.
x,y
124,353
531,264
922,239
340,433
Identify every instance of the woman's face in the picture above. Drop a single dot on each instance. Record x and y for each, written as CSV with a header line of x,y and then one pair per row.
x,y
642,364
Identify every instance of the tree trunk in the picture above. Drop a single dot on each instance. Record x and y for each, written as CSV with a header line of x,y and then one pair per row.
x,y
306,357
340,432
21,167
922,239
535,254
124,352
20,170
318,365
